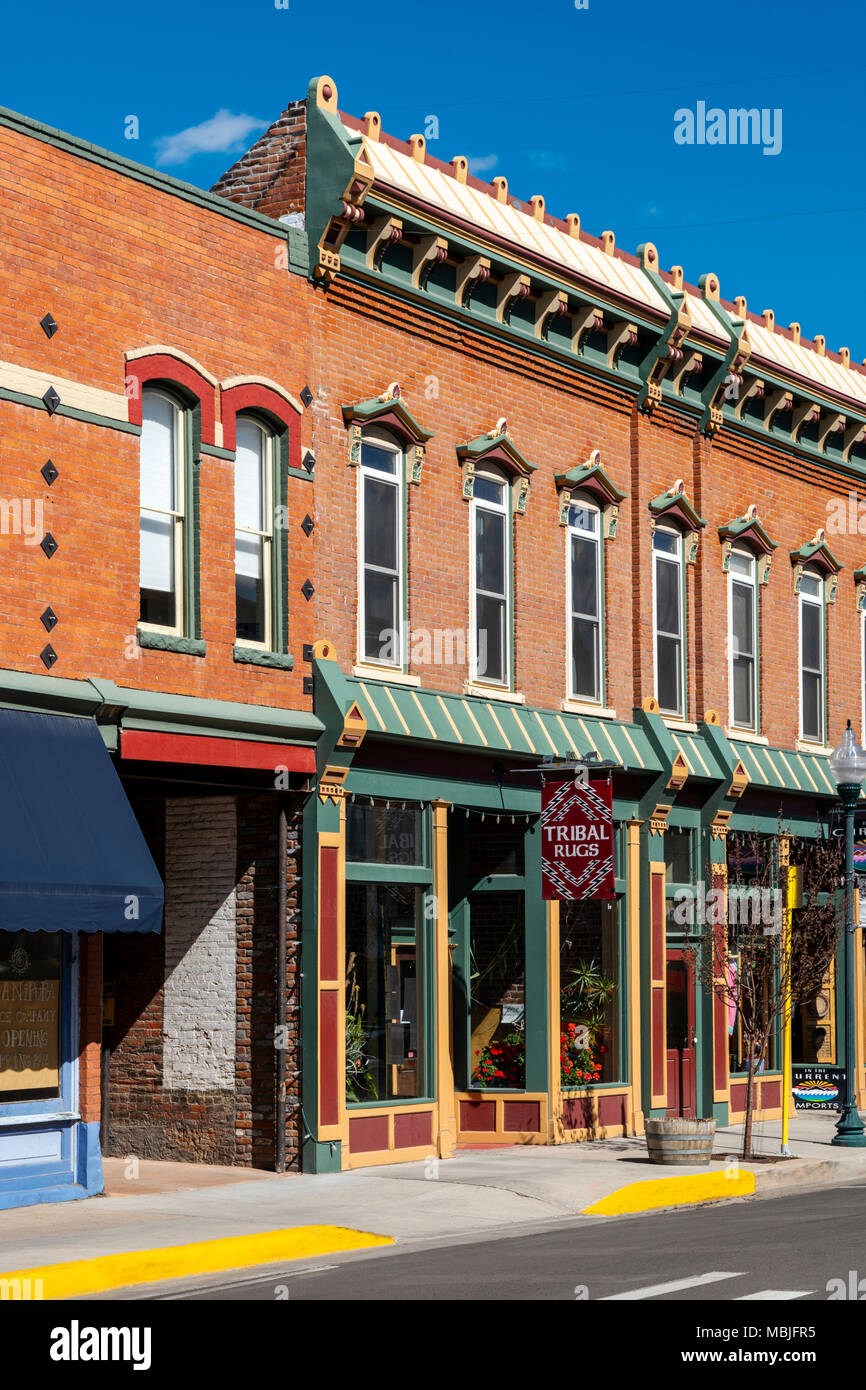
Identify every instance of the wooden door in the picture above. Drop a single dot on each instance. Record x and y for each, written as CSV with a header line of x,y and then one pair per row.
x,y
681,1039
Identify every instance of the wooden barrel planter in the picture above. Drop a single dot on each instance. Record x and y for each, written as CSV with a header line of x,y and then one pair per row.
x,y
680,1141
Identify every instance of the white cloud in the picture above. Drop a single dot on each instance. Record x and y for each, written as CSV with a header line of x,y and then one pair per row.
x,y
222,134
482,163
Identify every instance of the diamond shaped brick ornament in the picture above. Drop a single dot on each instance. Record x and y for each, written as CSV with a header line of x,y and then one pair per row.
x,y
49,619
307,396
51,400
307,590
49,544
48,656
50,472
48,325
309,461
307,525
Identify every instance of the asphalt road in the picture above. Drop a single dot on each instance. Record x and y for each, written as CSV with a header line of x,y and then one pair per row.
x,y
783,1249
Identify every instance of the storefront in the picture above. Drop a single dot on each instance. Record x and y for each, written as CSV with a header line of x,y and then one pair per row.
x,y
73,866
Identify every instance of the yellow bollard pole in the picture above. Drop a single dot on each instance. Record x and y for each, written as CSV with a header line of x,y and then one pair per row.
x,y
792,898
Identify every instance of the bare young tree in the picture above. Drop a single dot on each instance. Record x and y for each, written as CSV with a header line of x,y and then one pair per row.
x,y
739,943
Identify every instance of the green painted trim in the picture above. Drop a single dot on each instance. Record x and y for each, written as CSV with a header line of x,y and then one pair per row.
x,y
580,476
373,408
87,417
666,501
748,526
254,656
280,546
485,444
817,550
168,642
419,874
500,883
152,706
192,527
216,452
164,183
300,473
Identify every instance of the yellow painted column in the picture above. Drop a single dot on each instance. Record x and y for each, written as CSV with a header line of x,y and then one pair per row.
x,y
555,1127
633,972
442,957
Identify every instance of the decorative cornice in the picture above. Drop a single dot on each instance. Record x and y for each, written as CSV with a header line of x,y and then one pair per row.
x,y
674,505
591,478
388,410
748,530
818,553
497,447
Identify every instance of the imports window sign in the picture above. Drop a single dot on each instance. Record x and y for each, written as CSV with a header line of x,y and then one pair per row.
x,y
584,602
380,526
491,579
385,993
812,657
30,968
383,835
668,648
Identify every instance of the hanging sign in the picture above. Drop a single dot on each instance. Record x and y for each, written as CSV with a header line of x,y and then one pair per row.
x,y
577,839
818,1087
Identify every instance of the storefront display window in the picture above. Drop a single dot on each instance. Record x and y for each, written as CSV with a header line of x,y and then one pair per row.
x,y
385,994
381,835
30,973
590,963
497,985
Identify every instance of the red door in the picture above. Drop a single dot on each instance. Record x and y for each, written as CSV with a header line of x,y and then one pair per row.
x,y
681,1040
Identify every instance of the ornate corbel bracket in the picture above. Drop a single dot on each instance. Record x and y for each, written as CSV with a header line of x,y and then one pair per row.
x,y
384,232
778,402
719,830
552,304
586,320
430,251
332,784
510,290
619,337
658,821
471,273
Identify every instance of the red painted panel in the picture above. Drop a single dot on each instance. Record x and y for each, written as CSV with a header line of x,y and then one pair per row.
x,y
477,1115
368,1133
205,751
771,1095
412,1130
329,888
657,918
163,367
522,1115
720,1042
611,1110
329,1102
658,1042
738,1099
253,396
577,1112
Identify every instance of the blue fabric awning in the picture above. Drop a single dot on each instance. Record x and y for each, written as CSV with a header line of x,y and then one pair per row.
x,y
72,856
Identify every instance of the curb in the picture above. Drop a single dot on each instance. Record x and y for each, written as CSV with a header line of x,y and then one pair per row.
x,y
132,1267
686,1190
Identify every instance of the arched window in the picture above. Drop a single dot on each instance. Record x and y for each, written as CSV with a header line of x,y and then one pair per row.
x,y
812,656
668,620
163,458
491,576
381,578
254,534
584,587
743,640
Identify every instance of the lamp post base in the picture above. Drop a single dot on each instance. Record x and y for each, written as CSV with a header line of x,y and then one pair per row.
x,y
849,1130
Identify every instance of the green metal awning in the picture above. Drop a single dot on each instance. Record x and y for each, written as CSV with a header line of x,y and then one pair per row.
x,y
497,726
779,769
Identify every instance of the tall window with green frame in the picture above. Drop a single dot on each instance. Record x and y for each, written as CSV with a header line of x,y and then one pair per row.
x,y
812,657
743,640
491,578
381,586
668,620
163,525
584,580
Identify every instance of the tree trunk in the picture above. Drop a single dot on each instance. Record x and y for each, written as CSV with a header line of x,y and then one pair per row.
x,y
750,1099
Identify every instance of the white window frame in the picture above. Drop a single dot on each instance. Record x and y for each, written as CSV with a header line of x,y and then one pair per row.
x,y
382,439
266,536
678,559
178,513
819,603
503,509
750,581
596,536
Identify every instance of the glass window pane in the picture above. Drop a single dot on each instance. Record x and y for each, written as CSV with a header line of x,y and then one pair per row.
x,y
488,490
810,584
584,577
668,609
589,973
157,570
744,691
381,527
811,635
743,619
583,519
666,541
497,1056
741,564
385,993
376,835
489,551
490,638
374,457
381,626
158,480
30,1031
249,477
584,659
250,607
678,864
812,711
669,693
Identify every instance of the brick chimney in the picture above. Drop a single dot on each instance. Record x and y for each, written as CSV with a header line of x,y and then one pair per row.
x,y
270,177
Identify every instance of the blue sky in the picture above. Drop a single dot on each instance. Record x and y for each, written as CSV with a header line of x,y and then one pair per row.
x,y
577,104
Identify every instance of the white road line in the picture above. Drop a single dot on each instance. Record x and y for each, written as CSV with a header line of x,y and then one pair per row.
x,y
773,1295
653,1290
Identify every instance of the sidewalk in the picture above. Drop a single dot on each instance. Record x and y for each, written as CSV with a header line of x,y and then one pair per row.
x,y
478,1192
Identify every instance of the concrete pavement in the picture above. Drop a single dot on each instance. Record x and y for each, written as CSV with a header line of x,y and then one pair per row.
x,y
478,1191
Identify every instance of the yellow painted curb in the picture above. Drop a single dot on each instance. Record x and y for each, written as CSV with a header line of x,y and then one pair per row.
x,y
180,1261
673,1192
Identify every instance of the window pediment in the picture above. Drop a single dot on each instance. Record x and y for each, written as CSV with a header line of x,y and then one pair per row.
x,y
747,530
590,479
817,554
390,412
496,447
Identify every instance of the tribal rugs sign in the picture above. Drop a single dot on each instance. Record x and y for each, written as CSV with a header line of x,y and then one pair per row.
x,y
577,839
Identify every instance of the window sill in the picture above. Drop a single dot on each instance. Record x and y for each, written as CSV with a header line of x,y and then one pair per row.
x,y
257,656
683,726
745,736
586,707
169,642
493,692
822,749
385,673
